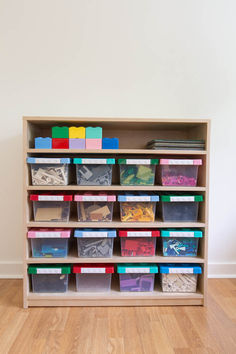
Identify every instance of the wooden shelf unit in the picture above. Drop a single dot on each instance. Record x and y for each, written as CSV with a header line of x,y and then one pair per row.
x,y
142,130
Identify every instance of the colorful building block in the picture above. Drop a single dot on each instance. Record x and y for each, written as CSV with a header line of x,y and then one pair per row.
x,y
43,143
93,133
93,144
60,132
60,143
77,132
77,143
110,143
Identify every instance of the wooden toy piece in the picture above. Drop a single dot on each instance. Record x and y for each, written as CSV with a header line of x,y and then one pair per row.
x,y
60,132
110,143
77,132
93,133
93,144
60,143
77,143
43,143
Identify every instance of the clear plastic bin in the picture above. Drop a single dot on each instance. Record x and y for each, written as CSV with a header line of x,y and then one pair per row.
x,y
137,277
180,208
178,172
137,172
95,207
138,207
179,278
93,277
49,171
94,172
95,243
51,208
180,243
49,278
138,243
47,243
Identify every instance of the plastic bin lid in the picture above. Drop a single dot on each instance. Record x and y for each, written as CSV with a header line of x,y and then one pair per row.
x,y
181,162
139,233
51,197
138,197
138,161
181,233
42,160
89,197
93,268
49,233
181,198
87,233
137,268
180,268
85,161
49,269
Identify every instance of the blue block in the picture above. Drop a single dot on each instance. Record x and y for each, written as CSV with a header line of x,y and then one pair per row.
x,y
110,143
43,143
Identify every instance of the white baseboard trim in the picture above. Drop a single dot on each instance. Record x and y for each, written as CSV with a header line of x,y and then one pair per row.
x,y
222,270
13,270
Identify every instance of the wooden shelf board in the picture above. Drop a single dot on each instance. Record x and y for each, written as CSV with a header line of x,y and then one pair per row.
x,y
73,258
117,152
117,188
115,224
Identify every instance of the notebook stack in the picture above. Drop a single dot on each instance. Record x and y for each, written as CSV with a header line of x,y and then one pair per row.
x,y
165,144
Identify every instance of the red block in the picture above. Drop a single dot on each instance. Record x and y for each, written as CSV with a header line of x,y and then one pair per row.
x,y
59,143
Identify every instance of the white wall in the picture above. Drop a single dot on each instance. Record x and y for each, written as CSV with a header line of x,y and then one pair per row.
x,y
119,58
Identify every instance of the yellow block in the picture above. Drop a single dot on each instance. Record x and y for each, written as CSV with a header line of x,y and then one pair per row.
x,y
77,133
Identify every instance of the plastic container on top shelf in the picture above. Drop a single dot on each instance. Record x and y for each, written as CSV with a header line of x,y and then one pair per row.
x,y
93,277
139,207
51,207
180,207
179,278
95,243
137,276
95,207
136,172
49,278
94,172
47,243
49,171
180,242
138,243
178,172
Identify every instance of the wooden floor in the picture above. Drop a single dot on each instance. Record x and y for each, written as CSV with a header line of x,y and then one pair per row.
x,y
130,330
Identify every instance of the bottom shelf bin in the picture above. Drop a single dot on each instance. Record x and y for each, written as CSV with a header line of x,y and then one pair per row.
x,y
93,277
49,278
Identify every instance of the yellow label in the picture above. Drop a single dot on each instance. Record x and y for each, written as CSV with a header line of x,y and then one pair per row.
x,y
77,133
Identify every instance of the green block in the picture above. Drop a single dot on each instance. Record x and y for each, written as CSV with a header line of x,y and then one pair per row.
x,y
93,133
60,132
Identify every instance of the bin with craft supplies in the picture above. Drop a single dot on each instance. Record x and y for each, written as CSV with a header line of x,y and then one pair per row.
x,y
94,172
180,207
95,207
179,278
49,278
51,207
137,276
138,242
95,243
137,172
49,243
49,171
180,242
177,172
93,277
139,207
